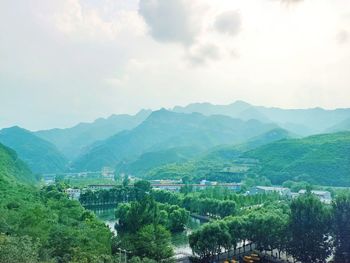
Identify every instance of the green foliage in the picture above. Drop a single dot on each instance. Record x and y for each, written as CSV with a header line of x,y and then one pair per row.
x,y
153,241
16,249
44,223
219,164
310,230
72,141
139,260
143,226
164,130
150,160
210,239
341,223
40,155
265,226
320,159
12,169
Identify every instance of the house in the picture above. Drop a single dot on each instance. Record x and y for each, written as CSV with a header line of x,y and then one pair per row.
x,y
167,187
95,187
270,189
107,172
177,187
49,179
73,193
324,196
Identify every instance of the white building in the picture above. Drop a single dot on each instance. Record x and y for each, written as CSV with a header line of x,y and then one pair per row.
x,y
73,193
176,187
96,187
270,189
324,196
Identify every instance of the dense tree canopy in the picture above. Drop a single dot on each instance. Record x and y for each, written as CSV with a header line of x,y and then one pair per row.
x,y
310,229
341,223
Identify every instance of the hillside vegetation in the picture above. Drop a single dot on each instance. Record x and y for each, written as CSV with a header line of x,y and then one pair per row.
x,y
222,163
151,160
164,130
41,156
320,159
12,168
73,141
44,225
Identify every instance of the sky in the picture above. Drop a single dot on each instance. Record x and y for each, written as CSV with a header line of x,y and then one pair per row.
x,y
68,61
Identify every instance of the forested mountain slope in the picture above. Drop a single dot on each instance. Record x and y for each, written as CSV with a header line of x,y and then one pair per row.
x,y
72,141
40,155
219,163
12,169
320,159
44,225
165,130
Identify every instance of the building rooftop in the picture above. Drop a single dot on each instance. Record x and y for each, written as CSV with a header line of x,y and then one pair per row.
x,y
272,188
316,192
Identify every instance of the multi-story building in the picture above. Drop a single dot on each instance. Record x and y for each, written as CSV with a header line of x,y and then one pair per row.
x,y
269,189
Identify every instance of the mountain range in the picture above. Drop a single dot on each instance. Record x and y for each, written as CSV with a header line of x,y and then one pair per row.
x,y
303,122
139,143
72,141
165,129
40,155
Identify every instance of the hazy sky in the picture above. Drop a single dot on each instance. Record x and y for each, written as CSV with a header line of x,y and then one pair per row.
x,y
66,61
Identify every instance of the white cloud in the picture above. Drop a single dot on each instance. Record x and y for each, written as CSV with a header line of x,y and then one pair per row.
x,y
199,55
172,20
65,61
228,22
342,36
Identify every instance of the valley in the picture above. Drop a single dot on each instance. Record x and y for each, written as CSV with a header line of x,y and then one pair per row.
x,y
133,186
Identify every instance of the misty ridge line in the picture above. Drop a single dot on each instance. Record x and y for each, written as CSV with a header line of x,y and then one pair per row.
x,y
194,104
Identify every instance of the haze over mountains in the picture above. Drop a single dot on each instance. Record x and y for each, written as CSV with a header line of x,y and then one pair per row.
x,y
142,142
300,121
40,155
164,130
72,141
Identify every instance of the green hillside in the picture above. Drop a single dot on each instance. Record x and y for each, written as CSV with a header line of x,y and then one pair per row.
x,y
341,126
72,141
44,225
12,168
165,130
220,163
230,152
151,160
40,155
320,159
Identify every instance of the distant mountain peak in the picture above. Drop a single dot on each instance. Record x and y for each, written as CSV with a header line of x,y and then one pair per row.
x,y
241,103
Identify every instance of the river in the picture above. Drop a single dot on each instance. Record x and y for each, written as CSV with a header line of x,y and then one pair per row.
x,y
179,240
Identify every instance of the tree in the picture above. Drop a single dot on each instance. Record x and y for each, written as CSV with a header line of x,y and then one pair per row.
x,y
142,188
125,181
178,219
122,215
227,208
235,228
210,239
341,229
153,241
18,249
265,228
310,228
